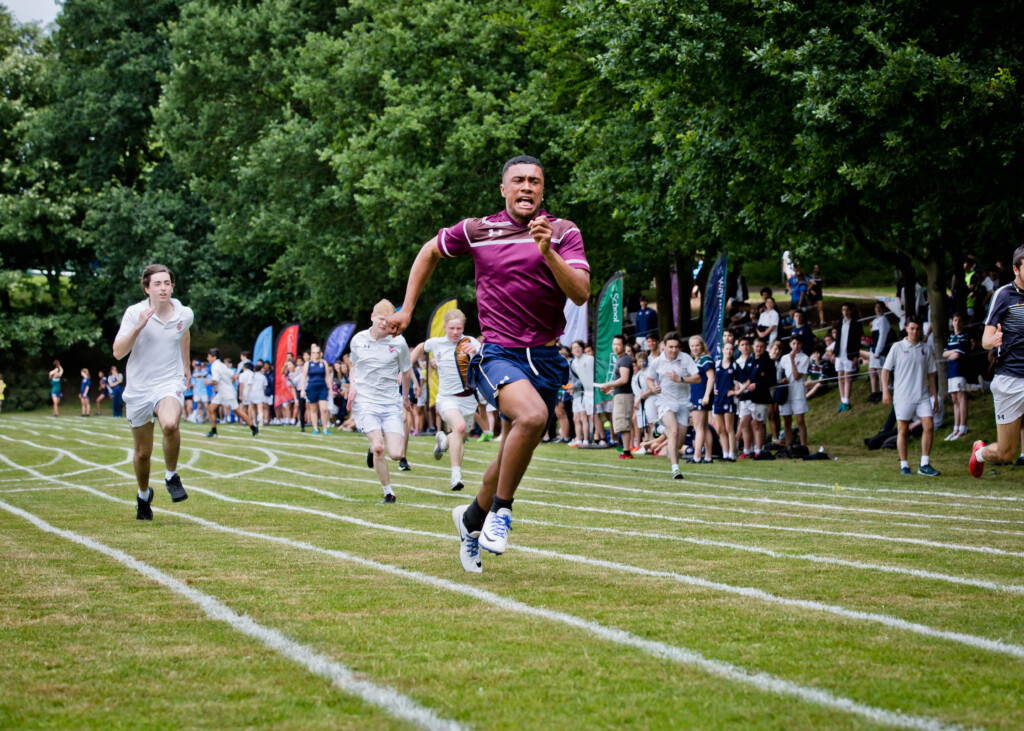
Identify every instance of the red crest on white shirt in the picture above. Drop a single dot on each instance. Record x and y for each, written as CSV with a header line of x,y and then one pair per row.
x,y
181,325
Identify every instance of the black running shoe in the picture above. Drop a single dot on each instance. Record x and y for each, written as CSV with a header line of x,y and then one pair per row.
x,y
403,465
457,485
177,491
144,509
369,458
389,498
1019,462
211,433
255,431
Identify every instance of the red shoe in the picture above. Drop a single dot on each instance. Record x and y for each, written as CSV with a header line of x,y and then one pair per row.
x,y
743,455
974,465
625,455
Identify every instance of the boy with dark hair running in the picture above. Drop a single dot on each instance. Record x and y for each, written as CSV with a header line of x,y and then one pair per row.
x,y
527,262
154,334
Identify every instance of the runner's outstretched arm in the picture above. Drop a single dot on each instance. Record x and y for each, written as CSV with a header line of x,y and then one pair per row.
x,y
420,273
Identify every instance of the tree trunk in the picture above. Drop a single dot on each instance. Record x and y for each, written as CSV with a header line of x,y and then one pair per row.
x,y
908,292
684,272
935,269
663,284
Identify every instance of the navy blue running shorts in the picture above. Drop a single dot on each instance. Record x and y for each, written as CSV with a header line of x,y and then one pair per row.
x,y
494,366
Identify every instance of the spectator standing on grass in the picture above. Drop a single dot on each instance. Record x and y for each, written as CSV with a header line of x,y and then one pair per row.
x,y
651,398
797,287
101,391
744,406
815,293
915,393
802,331
876,353
701,395
56,373
760,373
646,321
581,380
621,392
795,365
847,352
768,321
85,392
674,371
638,385
1004,331
956,382
115,383
724,409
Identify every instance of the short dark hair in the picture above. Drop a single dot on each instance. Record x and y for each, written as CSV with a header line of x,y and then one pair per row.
x,y
1018,257
521,160
674,335
766,289
152,269
761,340
215,352
619,336
579,343
912,319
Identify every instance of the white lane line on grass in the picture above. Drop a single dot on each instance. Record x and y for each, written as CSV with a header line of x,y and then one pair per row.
x,y
387,699
813,558
632,514
977,642
38,489
684,656
834,486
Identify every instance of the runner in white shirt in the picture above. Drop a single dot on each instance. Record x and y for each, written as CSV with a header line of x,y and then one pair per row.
x,y
245,374
155,332
378,359
455,403
673,372
223,380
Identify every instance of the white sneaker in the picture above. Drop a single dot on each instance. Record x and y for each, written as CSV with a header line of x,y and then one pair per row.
x,y
469,551
442,445
494,536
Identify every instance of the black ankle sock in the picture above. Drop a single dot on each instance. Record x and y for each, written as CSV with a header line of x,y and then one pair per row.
x,y
474,517
499,504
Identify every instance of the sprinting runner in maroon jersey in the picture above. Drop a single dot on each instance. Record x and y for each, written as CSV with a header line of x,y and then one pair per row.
x,y
527,263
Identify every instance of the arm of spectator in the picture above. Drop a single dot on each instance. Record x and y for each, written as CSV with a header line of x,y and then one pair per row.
x,y
710,388
886,395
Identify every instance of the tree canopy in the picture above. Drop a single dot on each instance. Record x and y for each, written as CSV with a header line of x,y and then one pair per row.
x,y
288,157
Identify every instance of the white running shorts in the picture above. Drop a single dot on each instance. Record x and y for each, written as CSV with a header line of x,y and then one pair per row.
x,y
225,398
583,402
465,405
845,365
387,419
1008,398
793,407
956,384
682,412
141,409
907,411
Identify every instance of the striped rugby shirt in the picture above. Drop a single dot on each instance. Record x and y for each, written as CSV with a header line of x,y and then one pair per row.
x,y
1008,310
519,302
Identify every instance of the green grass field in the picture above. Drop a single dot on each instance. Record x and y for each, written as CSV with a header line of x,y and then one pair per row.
x,y
285,594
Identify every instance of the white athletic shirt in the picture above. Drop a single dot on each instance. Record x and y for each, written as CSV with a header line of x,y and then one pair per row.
x,y
244,382
223,377
258,387
797,389
673,393
770,318
584,367
449,382
881,324
910,366
155,358
377,366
